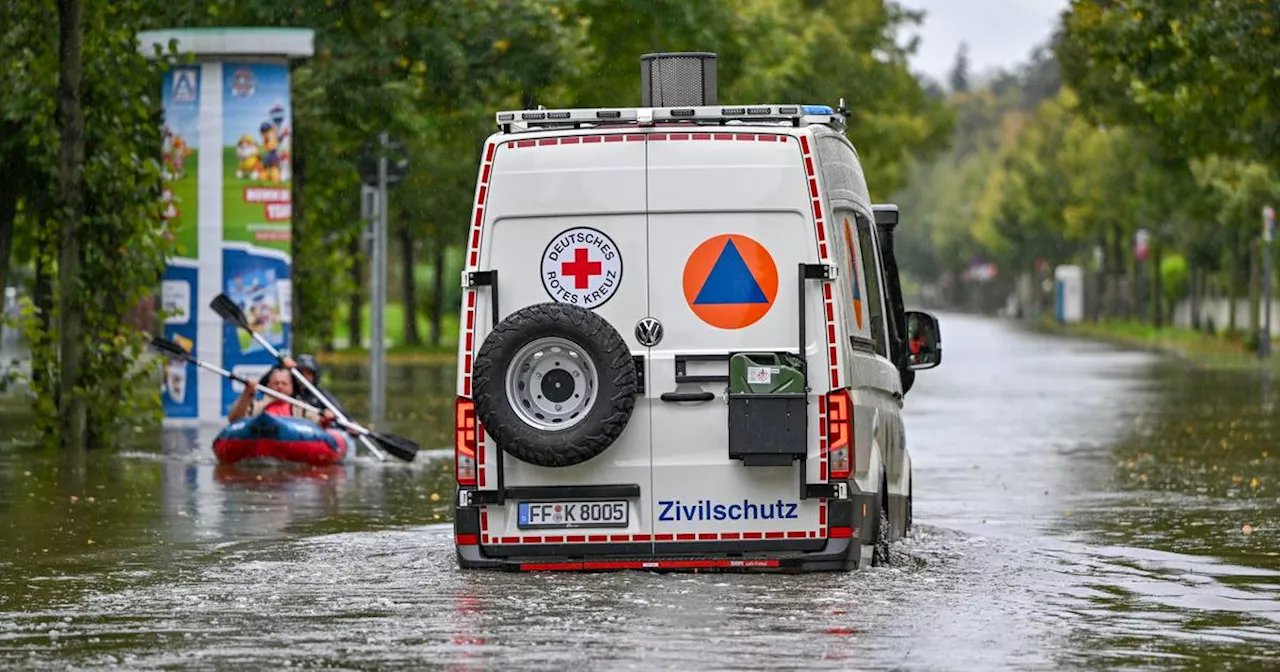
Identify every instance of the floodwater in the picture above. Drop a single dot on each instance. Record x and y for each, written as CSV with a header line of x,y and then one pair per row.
x,y
1078,507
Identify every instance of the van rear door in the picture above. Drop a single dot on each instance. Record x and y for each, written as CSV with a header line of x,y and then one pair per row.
x,y
566,222
730,221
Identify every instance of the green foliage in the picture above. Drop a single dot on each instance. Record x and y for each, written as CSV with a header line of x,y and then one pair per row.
x,y
123,250
1175,276
1201,74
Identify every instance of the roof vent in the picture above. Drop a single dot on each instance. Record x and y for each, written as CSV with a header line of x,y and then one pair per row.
x,y
686,79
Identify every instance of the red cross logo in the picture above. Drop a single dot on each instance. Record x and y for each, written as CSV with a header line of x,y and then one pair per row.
x,y
581,269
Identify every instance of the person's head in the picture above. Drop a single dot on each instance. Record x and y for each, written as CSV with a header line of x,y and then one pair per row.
x,y
309,367
280,381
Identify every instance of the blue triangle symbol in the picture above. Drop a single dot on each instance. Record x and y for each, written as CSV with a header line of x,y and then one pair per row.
x,y
730,281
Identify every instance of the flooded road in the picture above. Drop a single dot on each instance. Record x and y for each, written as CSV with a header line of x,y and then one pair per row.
x,y
1077,507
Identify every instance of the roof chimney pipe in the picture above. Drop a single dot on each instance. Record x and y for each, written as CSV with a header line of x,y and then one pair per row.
x,y
685,79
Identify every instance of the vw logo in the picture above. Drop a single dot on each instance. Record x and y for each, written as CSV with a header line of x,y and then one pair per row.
x,y
649,332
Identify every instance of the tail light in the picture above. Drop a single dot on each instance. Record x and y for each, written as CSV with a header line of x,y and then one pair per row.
x,y
839,434
464,440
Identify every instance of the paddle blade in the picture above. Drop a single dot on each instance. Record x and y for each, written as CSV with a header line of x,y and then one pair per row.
x,y
396,445
229,311
168,348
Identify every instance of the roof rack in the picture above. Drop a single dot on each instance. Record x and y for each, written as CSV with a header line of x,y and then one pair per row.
x,y
522,121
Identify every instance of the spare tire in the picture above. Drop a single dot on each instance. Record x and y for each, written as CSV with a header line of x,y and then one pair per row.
x,y
554,384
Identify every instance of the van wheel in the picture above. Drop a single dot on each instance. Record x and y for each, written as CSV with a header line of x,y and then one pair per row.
x,y
554,384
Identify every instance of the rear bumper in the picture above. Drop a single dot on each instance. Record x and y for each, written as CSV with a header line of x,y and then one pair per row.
x,y
841,551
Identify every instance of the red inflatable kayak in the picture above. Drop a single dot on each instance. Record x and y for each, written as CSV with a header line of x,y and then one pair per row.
x,y
281,438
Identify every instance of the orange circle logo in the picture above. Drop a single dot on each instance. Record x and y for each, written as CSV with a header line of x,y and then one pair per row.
x,y
730,281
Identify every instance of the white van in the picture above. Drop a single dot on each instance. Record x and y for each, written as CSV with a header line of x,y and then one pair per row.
x,y
682,345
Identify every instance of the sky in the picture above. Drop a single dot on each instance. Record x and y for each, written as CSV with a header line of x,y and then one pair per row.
x,y
1000,33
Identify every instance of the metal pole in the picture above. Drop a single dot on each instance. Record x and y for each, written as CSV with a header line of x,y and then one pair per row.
x,y
378,286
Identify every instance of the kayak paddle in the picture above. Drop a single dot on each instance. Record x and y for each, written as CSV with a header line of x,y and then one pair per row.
x,y
230,312
396,445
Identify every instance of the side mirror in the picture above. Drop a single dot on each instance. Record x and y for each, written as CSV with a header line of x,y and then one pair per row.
x,y
925,340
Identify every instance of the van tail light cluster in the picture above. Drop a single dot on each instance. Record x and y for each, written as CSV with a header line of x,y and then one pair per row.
x,y
839,433
464,440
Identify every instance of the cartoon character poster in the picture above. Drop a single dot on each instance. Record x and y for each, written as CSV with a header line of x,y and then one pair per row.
x,y
180,177
257,211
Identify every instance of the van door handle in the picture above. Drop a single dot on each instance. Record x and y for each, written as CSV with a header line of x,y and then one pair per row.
x,y
687,396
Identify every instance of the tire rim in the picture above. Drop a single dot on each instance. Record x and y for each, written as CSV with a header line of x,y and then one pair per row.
x,y
551,384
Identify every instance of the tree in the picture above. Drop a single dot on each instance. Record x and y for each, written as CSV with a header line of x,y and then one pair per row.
x,y
959,75
1200,74
71,403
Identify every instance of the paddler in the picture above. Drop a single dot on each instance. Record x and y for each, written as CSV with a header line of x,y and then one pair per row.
x,y
280,380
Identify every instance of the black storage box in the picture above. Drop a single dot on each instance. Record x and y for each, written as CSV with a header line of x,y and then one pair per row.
x,y
768,430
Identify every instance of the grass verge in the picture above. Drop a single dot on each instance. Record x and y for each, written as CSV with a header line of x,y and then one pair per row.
x,y
1211,350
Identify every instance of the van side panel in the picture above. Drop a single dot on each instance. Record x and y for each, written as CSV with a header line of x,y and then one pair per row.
x,y
542,188
730,220
874,380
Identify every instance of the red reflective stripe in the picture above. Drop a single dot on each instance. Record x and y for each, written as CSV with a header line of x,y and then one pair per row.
x,y
467,539
840,533
550,566
804,147
641,564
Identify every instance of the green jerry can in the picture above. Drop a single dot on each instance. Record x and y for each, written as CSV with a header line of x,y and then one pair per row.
x,y
768,413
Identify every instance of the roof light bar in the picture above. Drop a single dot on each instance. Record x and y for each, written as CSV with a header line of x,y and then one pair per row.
x,y
517,121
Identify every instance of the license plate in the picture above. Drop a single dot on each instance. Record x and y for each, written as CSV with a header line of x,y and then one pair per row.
x,y
572,514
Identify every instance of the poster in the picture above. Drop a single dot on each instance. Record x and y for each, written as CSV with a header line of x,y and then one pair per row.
x,y
257,213
180,177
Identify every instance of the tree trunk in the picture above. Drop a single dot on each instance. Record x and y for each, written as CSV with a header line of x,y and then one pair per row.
x,y
71,409
1233,286
1195,295
1255,285
437,293
356,300
410,295
1157,283
10,175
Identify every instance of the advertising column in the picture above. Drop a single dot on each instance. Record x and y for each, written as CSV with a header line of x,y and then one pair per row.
x,y
227,205
256,214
